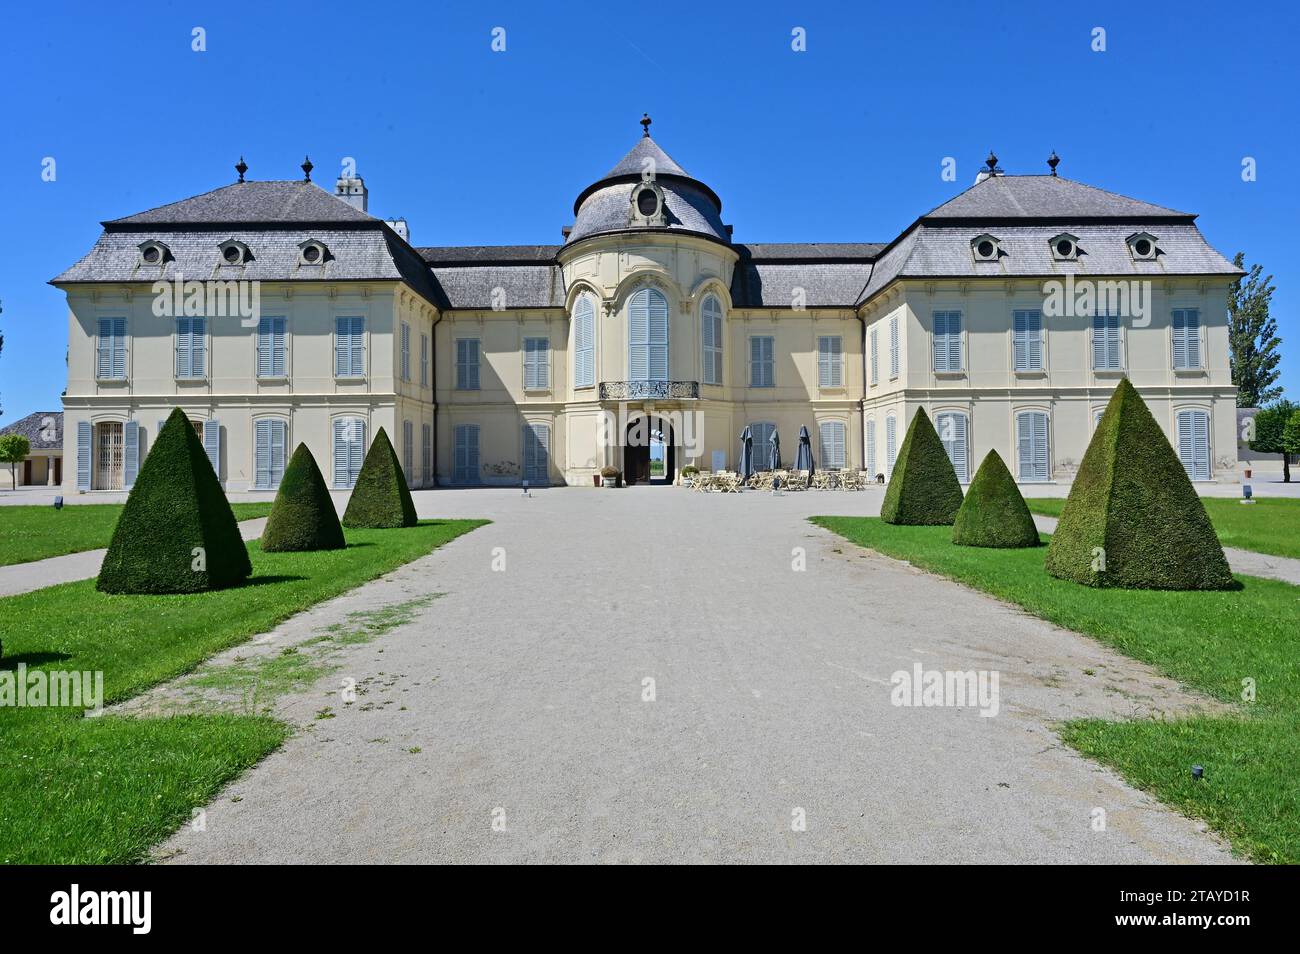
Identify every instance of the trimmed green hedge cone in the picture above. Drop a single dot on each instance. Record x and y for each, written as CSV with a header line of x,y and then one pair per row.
x,y
923,488
302,517
1133,519
993,513
177,533
380,498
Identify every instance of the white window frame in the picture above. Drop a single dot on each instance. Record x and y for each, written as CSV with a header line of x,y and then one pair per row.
x,y
869,440
1024,475
648,315
273,344
537,363
406,351
875,355
349,346
537,436
110,350
1108,324
1022,343
468,365
191,355
424,361
835,453
711,341
465,470
958,448
1185,441
830,361
895,364
269,471
1196,340
946,342
355,449
891,443
762,362
584,342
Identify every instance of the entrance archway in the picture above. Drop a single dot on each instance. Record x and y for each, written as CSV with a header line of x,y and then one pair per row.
x,y
649,451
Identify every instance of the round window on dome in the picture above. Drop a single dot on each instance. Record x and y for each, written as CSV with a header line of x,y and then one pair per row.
x,y
985,249
311,254
1064,248
1142,247
647,203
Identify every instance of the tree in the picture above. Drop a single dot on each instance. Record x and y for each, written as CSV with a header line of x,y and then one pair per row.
x,y
1133,519
14,449
177,533
1252,337
923,488
302,517
380,498
994,514
1270,425
1291,434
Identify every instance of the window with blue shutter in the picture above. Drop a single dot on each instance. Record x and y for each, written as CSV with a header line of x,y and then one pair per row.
x,y
537,372
467,364
406,351
875,356
424,361
1187,338
110,349
1106,343
830,361
891,443
350,346
349,450
130,453
832,440
871,446
537,454
1194,443
1031,446
271,348
893,348
426,454
761,431
83,455
762,361
584,342
211,431
191,347
1027,344
947,341
711,331
270,437
647,313
953,428
465,457
408,452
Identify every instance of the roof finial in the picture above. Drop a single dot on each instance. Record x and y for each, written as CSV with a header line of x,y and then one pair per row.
x,y
1053,161
992,163
241,167
307,168
645,125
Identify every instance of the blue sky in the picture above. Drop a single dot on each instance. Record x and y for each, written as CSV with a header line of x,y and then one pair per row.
x,y
842,142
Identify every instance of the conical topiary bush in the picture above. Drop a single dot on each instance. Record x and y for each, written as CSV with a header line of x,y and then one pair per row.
x,y
993,513
380,498
177,533
1133,519
923,488
302,517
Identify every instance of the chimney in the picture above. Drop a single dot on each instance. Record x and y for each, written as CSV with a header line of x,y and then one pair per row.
x,y
400,227
352,190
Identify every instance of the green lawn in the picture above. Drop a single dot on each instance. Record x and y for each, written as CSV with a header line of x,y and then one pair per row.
x,y
35,533
78,790
1209,641
1270,525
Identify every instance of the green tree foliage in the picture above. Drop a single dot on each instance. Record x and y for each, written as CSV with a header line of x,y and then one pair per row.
x,y
380,498
302,517
1253,343
14,449
994,514
177,533
1133,519
923,488
1270,427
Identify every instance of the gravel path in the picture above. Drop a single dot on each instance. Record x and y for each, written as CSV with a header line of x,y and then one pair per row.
x,y
506,720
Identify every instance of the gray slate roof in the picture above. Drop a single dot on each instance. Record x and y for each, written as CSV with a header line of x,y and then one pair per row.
x,y
488,254
279,202
31,427
1047,197
524,286
635,162
688,209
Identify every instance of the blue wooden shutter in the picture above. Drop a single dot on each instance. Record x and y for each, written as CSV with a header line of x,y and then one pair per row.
x,y
1099,342
832,440
1028,340
952,426
891,443
83,455
537,453
1194,443
658,336
264,345
947,341
1031,440
183,348
893,348
262,454
830,367
278,350
130,453
119,347
342,346
424,361
638,329
426,453
584,343
340,452
408,452
104,349
871,446
198,347
358,343
406,351
212,444
712,332
875,356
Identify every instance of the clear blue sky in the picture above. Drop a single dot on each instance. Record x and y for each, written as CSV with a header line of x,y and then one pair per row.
x,y
842,142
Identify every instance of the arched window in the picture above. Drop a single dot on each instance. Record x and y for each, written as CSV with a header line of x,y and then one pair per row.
x,y
871,446
1032,446
349,449
834,451
954,428
647,314
711,329
761,431
1194,443
891,443
584,342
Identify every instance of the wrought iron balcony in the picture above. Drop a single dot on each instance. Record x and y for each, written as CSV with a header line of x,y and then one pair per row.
x,y
649,390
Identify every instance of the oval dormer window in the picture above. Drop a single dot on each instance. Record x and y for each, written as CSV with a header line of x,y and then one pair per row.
x,y
1142,247
647,203
312,253
153,253
1064,248
231,254
985,249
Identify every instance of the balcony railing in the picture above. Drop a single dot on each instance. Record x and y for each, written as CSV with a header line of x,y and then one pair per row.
x,y
649,390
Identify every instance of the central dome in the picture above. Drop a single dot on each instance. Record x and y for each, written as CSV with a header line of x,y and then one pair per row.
x,y
648,191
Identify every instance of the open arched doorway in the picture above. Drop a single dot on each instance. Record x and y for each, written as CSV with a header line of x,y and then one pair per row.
x,y
649,454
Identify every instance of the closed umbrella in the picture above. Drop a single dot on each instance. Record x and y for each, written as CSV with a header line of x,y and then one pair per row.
x,y
746,454
776,450
803,457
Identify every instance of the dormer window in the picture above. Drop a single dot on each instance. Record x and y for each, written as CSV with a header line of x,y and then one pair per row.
x,y
985,248
1142,246
154,253
312,252
1065,247
647,204
235,253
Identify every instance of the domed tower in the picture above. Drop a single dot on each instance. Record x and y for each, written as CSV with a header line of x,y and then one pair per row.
x,y
647,270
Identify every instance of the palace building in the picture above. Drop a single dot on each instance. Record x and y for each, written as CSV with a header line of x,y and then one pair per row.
x,y
275,312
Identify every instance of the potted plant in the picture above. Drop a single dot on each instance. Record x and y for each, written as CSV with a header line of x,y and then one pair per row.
x,y
688,474
609,476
